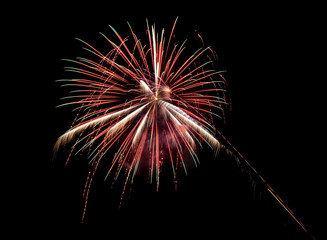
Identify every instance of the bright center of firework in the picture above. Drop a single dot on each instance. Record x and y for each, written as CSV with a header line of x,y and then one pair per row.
x,y
165,93
166,89
159,93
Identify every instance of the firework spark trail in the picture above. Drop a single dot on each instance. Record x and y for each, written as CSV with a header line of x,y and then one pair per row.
x,y
140,99
268,187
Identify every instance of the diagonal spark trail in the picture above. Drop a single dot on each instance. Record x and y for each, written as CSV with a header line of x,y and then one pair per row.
x,y
150,104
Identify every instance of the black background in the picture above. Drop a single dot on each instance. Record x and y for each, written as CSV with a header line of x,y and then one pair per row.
x,y
270,55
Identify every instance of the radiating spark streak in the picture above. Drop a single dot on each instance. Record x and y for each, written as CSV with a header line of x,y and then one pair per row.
x,y
268,187
170,157
157,155
187,63
190,74
271,191
145,87
121,53
194,82
68,135
123,122
186,118
179,127
186,138
140,128
155,62
138,45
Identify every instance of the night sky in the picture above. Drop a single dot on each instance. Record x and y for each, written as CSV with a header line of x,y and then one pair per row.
x,y
273,121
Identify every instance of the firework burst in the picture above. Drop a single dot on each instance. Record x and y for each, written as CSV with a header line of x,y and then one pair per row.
x,y
149,102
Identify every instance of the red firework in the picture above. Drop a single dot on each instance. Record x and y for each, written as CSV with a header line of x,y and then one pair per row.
x,y
151,105
147,101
